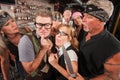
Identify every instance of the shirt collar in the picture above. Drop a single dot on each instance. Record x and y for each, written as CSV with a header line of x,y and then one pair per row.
x,y
100,34
66,45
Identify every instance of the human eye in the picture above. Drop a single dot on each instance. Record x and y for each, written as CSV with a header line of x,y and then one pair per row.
x,y
12,20
48,25
7,24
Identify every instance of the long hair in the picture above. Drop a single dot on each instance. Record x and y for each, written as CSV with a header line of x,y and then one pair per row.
x,y
71,32
2,45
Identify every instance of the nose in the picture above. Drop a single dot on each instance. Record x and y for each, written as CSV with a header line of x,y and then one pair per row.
x,y
13,24
84,19
42,28
58,35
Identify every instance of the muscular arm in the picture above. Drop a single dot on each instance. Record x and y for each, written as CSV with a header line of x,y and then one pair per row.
x,y
27,56
112,69
33,65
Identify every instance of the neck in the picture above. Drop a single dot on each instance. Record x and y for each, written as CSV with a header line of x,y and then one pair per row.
x,y
14,38
90,34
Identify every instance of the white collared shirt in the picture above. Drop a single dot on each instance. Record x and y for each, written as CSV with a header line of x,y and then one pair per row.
x,y
71,53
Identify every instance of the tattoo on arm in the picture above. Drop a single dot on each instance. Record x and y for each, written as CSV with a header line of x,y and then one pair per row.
x,y
112,72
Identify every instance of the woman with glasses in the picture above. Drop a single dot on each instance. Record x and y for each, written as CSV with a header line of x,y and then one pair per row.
x,y
66,37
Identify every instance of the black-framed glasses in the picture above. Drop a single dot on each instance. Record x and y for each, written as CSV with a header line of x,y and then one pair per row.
x,y
45,25
62,33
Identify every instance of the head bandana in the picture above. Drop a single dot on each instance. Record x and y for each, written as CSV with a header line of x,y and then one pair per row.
x,y
75,14
97,12
4,17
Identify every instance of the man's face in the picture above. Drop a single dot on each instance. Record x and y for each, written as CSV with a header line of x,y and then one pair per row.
x,y
67,14
90,23
10,27
43,26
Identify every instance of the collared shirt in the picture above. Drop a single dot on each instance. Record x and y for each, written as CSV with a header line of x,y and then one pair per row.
x,y
70,22
71,53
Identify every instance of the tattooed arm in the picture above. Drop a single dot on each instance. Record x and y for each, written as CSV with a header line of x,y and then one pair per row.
x,y
112,69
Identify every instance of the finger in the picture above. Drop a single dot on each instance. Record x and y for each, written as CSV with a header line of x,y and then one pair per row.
x,y
42,36
56,56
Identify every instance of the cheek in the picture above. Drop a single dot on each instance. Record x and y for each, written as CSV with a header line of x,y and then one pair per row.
x,y
58,41
43,32
7,29
75,21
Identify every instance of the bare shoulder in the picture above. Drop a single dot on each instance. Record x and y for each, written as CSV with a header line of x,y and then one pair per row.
x,y
113,63
115,59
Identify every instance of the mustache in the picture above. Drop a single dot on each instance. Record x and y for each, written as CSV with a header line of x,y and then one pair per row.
x,y
84,24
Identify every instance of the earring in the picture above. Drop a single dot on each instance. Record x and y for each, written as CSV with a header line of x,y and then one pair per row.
x,y
2,34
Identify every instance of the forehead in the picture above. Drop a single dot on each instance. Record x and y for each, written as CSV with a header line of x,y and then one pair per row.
x,y
89,16
76,17
9,20
63,28
67,11
43,19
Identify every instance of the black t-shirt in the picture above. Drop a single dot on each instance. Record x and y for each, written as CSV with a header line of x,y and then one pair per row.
x,y
95,52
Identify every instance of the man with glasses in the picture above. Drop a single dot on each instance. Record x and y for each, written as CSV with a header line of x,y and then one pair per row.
x,y
35,63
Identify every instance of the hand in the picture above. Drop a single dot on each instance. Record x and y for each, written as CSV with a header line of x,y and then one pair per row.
x,y
79,77
46,43
53,59
70,78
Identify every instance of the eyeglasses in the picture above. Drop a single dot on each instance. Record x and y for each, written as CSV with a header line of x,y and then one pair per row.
x,y
62,33
40,25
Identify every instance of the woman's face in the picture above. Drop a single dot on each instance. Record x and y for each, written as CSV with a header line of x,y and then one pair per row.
x,y
62,36
56,23
78,20
10,27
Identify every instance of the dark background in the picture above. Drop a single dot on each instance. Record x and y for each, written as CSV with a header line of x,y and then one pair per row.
x,y
113,24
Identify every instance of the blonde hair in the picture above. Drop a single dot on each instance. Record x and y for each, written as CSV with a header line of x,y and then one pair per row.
x,y
57,16
106,5
72,33
2,45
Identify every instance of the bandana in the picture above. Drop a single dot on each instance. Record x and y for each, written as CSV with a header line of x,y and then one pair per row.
x,y
97,12
75,14
4,17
